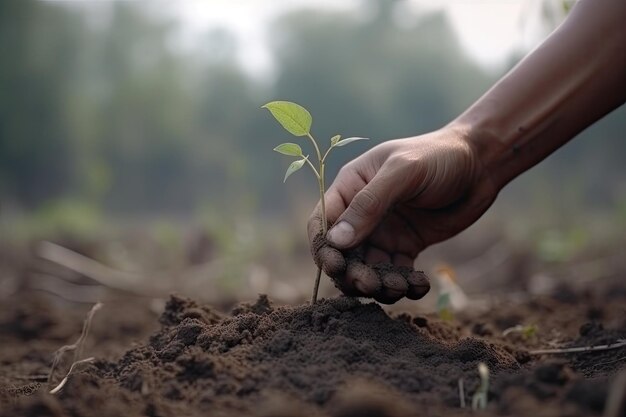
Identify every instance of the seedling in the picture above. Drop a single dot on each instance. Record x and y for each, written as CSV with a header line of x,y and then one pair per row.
x,y
297,121
479,399
528,332
444,308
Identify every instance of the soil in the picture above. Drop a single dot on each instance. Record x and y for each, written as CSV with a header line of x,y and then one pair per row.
x,y
341,357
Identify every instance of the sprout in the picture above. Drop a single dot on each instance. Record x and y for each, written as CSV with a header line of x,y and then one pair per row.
x,y
297,121
479,399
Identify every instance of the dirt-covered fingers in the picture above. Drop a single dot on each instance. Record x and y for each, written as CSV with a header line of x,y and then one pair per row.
x,y
331,260
374,255
363,278
398,282
394,287
384,281
418,282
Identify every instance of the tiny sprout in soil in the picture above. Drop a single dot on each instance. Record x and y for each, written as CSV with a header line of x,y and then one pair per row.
x,y
297,121
479,400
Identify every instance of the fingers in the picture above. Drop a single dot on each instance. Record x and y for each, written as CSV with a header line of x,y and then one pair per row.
x,y
386,283
366,210
334,207
418,284
326,257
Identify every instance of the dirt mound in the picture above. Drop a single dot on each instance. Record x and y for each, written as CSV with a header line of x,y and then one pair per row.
x,y
339,358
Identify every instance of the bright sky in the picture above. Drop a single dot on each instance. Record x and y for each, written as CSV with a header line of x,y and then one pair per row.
x,y
488,29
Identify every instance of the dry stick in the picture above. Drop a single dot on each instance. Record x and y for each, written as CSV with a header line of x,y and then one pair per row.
x,y
38,378
610,362
619,344
134,283
88,294
77,347
66,378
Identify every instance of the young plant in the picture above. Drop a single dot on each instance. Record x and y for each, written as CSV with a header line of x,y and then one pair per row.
x,y
297,121
528,332
479,399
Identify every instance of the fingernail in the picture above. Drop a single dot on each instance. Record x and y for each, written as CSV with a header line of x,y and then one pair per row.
x,y
342,234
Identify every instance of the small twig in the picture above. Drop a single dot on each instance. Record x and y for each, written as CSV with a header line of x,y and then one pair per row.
x,y
64,380
617,397
609,362
619,344
461,393
39,378
76,293
189,281
77,347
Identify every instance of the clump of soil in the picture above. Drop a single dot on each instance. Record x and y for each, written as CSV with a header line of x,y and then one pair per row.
x,y
340,357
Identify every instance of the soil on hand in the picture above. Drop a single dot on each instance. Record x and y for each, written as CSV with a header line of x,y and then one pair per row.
x,y
340,357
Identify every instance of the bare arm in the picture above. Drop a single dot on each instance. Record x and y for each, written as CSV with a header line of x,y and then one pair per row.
x,y
573,79
403,195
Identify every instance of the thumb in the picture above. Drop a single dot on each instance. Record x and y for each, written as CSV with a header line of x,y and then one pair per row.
x,y
366,210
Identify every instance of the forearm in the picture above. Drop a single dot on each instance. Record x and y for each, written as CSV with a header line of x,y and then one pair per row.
x,y
574,78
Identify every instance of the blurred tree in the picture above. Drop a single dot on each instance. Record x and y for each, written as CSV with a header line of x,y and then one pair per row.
x,y
110,111
373,77
38,45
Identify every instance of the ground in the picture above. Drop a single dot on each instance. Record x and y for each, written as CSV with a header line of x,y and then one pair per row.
x,y
341,357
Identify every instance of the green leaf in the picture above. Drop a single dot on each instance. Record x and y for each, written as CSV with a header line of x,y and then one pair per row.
x,y
293,117
290,149
334,140
295,165
345,141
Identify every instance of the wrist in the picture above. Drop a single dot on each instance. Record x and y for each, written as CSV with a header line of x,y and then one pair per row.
x,y
487,144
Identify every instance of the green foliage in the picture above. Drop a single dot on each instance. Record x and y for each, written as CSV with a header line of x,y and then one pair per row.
x,y
293,117
112,114
63,217
290,149
444,307
293,167
346,141
528,331
559,246
297,120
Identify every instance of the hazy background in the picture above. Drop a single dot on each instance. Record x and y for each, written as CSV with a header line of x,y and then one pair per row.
x,y
131,131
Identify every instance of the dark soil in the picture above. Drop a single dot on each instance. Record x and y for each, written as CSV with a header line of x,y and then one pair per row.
x,y
340,357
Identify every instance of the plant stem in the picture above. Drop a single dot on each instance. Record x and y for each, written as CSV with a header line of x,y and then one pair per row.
x,y
320,181
317,285
317,175
323,199
317,149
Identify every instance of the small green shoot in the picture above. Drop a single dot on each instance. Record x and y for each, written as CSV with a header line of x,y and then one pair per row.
x,y
528,332
444,307
479,399
297,120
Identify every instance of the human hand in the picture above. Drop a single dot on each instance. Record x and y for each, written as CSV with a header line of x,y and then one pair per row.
x,y
389,204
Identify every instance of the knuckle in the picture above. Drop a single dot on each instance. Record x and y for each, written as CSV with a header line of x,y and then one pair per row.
x,y
345,170
366,203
